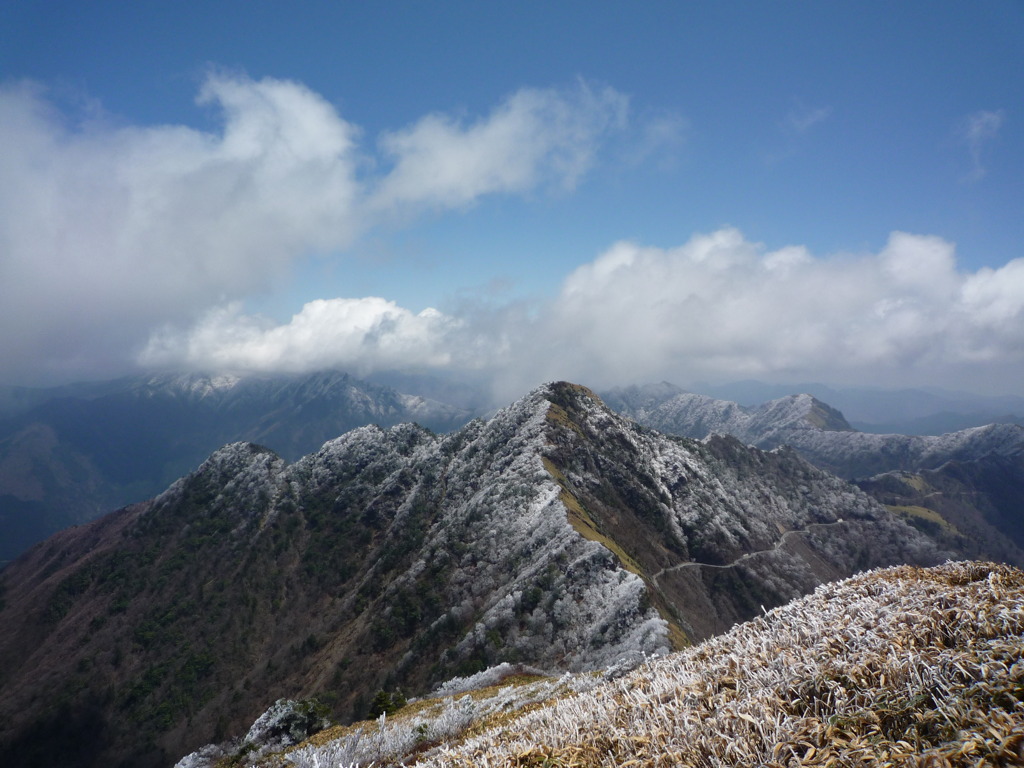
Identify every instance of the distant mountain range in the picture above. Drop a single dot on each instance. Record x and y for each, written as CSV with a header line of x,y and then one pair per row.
x,y
70,454
967,486
876,409
817,430
557,534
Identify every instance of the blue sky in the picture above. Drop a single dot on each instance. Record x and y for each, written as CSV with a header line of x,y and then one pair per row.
x,y
606,192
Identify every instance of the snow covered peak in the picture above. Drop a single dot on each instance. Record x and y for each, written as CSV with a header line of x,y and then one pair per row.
x,y
801,411
822,435
187,385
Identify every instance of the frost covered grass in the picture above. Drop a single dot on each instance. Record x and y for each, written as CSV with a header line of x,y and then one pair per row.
x,y
422,727
899,666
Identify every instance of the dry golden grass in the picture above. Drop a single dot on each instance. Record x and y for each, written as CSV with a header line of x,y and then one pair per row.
x,y
921,512
898,667
904,666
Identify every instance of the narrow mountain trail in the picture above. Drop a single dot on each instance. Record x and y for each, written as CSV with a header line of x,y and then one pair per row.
x,y
748,555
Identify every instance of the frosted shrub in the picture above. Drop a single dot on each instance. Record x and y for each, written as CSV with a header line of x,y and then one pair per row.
x,y
287,722
904,666
490,676
342,753
391,740
203,758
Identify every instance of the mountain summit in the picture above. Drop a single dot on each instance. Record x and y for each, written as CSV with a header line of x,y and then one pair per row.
x,y
673,411
558,534
965,487
817,431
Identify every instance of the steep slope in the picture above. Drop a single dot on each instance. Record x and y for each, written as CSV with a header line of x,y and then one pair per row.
x,y
973,478
70,458
857,454
898,667
902,666
557,534
716,529
45,485
974,505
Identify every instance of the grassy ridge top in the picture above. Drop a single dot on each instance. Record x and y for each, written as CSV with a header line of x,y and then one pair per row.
x,y
905,666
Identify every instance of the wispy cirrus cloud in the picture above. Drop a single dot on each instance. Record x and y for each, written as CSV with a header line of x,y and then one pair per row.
x,y
978,130
794,127
661,137
801,118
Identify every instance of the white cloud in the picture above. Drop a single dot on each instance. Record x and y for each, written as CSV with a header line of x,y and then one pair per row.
x,y
360,335
535,137
106,229
723,307
109,230
718,307
978,130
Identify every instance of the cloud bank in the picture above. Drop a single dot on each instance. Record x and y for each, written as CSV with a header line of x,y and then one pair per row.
x,y
108,230
360,335
719,306
722,306
124,244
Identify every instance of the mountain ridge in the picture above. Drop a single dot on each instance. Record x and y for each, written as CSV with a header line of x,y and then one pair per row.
x,y
396,558
974,477
819,432
875,406
903,665
68,459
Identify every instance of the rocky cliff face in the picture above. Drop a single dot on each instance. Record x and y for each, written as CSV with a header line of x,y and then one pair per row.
x,y
557,534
